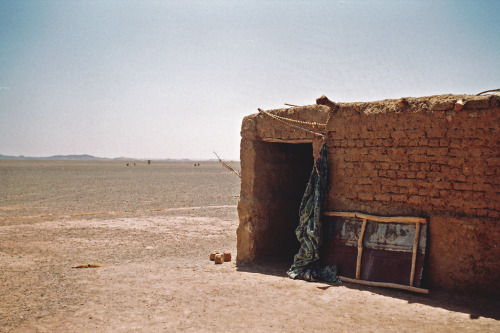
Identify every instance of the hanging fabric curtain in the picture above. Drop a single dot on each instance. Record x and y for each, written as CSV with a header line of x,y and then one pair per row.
x,y
306,265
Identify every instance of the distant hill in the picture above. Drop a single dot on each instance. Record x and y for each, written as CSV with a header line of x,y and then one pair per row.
x,y
86,157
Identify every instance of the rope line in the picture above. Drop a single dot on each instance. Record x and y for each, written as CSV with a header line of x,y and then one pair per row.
x,y
314,124
286,121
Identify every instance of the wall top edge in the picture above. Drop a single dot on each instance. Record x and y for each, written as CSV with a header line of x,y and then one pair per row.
x,y
447,102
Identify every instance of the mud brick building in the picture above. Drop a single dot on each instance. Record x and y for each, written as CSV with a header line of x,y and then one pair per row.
x,y
436,157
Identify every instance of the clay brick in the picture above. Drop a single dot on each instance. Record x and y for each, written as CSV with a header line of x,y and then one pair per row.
x,y
411,190
434,142
404,142
369,166
364,181
477,104
365,196
406,174
388,143
433,192
405,182
420,158
350,194
442,105
387,181
398,135
444,142
484,187
494,214
455,143
391,174
455,134
494,161
424,184
383,173
456,162
382,197
433,133
437,151
425,166
389,189
470,211
399,197
219,258
442,185
361,188
435,167
457,177
212,255
423,142
381,158
400,159
376,151
436,202
367,142
385,166
397,151
370,173
384,134
478,204
420,175
462,186
370,135
415,134
414,167
482,212
416,200
334,143
443,193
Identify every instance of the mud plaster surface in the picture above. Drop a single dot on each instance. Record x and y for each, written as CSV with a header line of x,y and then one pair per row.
x,y
156,276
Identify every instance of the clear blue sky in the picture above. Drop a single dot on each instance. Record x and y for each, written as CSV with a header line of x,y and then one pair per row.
x,y
174,79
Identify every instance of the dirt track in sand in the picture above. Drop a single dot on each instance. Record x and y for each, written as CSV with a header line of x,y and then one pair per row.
x,y
155,273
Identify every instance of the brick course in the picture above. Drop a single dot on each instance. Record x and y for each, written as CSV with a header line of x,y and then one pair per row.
x,y
454,160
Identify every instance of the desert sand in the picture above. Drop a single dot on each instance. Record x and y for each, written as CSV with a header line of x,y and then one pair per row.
x,y
151,229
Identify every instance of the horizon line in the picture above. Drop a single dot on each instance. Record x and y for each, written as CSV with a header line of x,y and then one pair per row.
x,y
92,157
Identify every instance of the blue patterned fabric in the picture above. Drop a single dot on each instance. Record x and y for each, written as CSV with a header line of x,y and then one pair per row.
x,y
306,264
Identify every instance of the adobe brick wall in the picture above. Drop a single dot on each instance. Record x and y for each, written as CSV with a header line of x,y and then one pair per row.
x,y
427,160
424,159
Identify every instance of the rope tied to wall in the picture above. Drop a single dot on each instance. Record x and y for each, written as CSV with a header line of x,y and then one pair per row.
x,y
287,120
323,100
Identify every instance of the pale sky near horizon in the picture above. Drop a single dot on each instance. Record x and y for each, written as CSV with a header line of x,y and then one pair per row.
x,y
174,79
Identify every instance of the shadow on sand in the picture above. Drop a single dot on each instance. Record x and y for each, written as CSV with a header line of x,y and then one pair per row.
x,y
474,306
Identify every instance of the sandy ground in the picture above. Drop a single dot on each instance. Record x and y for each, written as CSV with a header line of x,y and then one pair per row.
x,y
155,273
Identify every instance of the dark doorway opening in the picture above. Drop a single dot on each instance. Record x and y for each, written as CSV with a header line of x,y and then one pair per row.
x,y
282,173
